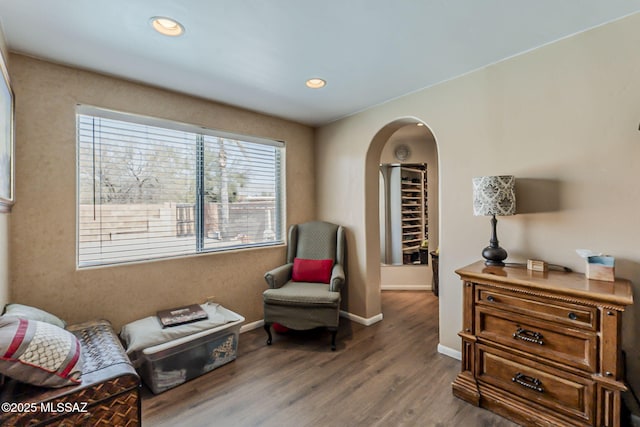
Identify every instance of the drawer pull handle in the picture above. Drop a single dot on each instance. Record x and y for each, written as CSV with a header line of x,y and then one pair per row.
x,y
528,382
528,336
490,298
573,316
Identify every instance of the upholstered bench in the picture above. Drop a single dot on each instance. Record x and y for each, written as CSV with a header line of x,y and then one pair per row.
x,y
108,394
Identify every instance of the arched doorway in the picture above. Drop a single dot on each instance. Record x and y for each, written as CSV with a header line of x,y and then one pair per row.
x,y
408,208
407,131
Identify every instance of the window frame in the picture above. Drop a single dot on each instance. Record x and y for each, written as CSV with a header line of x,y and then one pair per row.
x,y
200,132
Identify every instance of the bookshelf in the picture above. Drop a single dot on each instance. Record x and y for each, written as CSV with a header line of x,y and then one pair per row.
x,y
413,212
408,218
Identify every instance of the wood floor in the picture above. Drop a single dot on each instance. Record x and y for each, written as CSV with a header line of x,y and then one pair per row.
x,y
388,374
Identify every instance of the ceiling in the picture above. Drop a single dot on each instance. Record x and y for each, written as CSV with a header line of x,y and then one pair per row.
x,y
257,54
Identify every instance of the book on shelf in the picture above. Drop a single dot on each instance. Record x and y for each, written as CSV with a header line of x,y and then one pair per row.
x,y
181,315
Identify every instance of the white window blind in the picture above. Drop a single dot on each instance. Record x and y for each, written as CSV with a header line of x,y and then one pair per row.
x,y
148,191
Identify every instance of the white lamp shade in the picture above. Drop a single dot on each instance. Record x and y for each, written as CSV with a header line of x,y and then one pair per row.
x,y
494,195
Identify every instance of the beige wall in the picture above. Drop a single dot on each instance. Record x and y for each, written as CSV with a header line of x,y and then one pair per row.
x,y
417,138
43,226
563,119
4,227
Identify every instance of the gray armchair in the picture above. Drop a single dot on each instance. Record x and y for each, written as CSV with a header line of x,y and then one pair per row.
x,y
307,305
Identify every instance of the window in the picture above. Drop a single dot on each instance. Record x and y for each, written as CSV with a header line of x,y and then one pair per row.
x,y
149,189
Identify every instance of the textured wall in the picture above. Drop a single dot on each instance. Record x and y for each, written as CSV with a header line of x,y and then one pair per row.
x,y
4,260
43,226
4,227
562,118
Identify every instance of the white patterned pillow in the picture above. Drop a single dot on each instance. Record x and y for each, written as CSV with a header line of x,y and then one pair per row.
x,y
39,353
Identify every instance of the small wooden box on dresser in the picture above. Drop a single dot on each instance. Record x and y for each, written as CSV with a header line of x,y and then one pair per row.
x,y
542,348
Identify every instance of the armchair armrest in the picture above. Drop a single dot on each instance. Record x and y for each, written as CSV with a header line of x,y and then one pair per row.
x,y
337,278
278,276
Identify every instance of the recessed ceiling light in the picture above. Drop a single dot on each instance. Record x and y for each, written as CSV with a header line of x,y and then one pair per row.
x,y
316,83
167,26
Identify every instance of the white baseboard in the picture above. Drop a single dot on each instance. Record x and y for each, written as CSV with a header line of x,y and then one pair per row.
x,y
251,326
405,287
635,420
447,351
361,320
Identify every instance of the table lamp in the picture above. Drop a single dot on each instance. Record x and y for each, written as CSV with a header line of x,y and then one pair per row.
x,y
494,195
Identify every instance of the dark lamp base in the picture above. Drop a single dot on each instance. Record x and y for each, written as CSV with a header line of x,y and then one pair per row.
x,y
493,253
494,256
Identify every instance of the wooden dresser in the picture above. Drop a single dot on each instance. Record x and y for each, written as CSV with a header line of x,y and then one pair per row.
x,y
542,349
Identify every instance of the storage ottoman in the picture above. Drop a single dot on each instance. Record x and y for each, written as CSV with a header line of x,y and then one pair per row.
x,y
181,353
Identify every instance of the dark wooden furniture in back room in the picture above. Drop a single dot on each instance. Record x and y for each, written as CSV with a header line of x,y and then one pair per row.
x,y
542,348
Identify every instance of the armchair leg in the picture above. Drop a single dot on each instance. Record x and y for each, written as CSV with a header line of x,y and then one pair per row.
x,y
334,332
267,327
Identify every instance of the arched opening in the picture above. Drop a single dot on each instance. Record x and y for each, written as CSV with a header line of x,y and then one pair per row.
x,y
419,139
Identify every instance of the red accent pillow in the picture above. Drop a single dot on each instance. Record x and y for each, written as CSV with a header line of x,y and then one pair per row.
x,y
281,329
312,270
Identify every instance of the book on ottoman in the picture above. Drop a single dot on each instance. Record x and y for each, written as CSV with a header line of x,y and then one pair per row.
x,y
181,315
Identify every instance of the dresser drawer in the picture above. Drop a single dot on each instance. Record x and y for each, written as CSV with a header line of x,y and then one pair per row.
x,y
566,313
572,347
559,391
